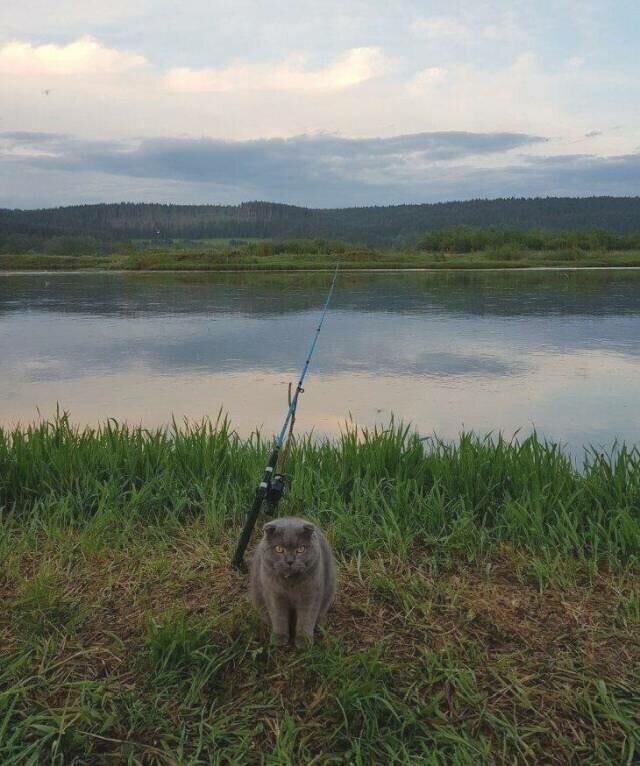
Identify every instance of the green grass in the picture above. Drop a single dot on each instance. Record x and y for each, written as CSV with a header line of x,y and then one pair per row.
x,y
223,259
488,608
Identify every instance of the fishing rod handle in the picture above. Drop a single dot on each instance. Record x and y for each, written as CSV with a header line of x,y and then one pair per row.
x,y
252,516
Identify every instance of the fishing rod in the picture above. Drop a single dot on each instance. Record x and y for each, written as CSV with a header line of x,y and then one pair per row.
x,y
271,487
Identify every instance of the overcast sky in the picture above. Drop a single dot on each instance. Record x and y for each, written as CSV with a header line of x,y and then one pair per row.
x,y
327,103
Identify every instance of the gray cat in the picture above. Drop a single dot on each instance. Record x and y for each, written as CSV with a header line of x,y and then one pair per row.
x,y
293,579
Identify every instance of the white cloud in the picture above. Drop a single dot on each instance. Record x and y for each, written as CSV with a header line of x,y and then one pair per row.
x,y
86,55
426,78
356,66
521,96
428,85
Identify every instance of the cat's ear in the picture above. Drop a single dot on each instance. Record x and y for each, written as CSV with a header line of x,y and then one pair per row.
x,y
269,529
307,531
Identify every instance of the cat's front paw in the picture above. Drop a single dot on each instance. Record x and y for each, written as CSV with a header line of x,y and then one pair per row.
x,y
304,640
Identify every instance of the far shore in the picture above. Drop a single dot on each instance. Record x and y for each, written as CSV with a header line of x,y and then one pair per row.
x,y
410,260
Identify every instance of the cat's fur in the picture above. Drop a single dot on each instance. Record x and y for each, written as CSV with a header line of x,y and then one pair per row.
x,y
292,590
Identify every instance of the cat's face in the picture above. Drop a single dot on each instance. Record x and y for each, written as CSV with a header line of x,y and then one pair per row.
x,y
291,546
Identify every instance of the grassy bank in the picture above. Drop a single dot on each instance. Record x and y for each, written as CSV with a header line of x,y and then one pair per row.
x,y
489,607
223,260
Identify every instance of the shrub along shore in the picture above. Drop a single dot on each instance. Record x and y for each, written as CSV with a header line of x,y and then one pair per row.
x,y
223,260
459,247
489,605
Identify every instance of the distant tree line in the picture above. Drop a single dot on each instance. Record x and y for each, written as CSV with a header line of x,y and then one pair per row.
x,y
459,224
61,244
465,239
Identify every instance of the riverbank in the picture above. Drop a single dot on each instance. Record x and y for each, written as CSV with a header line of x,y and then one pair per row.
x,y
216,260
489,607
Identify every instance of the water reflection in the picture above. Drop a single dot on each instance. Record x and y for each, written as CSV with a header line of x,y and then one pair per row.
x,y
483,351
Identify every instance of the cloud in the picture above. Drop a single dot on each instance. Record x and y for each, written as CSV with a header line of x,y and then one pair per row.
x,y
322,170
309,158
292,74
426,78
31,137
520,95
410,89
86,55
25,145
589,170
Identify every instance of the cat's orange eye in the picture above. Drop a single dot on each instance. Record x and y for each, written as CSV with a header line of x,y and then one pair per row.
x,y
300,549
279,549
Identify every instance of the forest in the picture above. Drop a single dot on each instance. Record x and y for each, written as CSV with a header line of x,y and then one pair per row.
x,y
104,228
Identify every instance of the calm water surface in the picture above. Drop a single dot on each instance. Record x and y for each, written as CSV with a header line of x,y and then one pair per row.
x,y
483,351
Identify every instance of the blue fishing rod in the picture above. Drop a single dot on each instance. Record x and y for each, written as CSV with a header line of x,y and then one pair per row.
x,y
271,487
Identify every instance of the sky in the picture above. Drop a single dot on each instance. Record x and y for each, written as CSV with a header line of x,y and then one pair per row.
x,y
323,104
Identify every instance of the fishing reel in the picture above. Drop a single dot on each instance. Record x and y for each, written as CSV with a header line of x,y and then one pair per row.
x,y
275,490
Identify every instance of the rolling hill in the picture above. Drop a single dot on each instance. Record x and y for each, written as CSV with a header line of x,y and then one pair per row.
x,y
396,224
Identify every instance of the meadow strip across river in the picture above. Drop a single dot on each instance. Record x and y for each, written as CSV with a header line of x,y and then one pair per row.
x,y
215,260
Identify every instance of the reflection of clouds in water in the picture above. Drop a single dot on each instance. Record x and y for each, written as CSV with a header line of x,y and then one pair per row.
x,y
70,346
444,364
594,409
56,348
573,375
59,347
581,293
439,365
